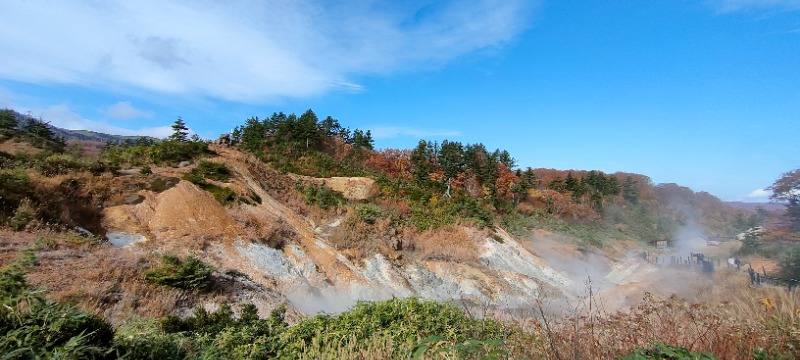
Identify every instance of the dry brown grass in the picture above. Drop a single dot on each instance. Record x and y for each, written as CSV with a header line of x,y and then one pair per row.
x,y
450,243
357,239
730,321
102,279
96,278
15,147
262,227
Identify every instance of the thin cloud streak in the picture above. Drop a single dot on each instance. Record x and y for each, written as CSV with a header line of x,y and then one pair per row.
x,y
726,6
124,110
248,51
62,116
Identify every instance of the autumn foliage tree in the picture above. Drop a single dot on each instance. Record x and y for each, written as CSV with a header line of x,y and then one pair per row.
x,y
787,189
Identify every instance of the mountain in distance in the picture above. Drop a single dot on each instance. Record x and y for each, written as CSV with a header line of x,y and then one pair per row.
x,y
753,206
81,135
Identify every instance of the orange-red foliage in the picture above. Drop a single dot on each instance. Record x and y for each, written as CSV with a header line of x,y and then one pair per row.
x,y
392,162
506,180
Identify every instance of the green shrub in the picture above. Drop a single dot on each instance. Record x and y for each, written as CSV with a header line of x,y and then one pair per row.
x,y
24,214
789,262
213,171
223,195
61,164
172,152
14,187
368,213
145,170
321,195
194,178
190,274
169,152
145,340
221,335
404,320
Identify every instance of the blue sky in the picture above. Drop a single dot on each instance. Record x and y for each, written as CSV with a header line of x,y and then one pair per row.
x,y
702,93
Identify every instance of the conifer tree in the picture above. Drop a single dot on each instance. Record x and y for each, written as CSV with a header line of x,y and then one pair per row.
x,y
8,120
179,131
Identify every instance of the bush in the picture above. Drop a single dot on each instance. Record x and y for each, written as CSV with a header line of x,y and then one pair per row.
x,y
144,340
14,187
789,263
172,152
404,320
213,171
195,178
223,195
751,244
168,152
368,213
61,164
321,196
24,214
190,274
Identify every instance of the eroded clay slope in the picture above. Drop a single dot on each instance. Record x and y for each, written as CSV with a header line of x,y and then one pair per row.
x,y
307,269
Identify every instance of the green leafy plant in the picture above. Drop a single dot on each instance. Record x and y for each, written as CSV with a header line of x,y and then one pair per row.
x,y
190,274
24,214
213,171
368,213
321,195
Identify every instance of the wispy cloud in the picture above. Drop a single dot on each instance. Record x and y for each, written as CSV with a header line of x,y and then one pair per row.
x,y
62,116
244,51
743,5
387,132
124,110
760,194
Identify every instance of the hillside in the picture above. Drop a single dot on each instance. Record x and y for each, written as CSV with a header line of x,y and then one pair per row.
x,y
268,229
82,135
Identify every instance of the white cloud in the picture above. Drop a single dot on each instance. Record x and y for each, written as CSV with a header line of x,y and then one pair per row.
x,y
124,110
760,194
63,117
245,51
743,5
386,132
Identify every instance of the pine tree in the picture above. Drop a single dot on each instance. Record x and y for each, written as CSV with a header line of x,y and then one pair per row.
x,y
39,128
630,190
421,161
362,139
451,158
8,120
179,131
252,135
